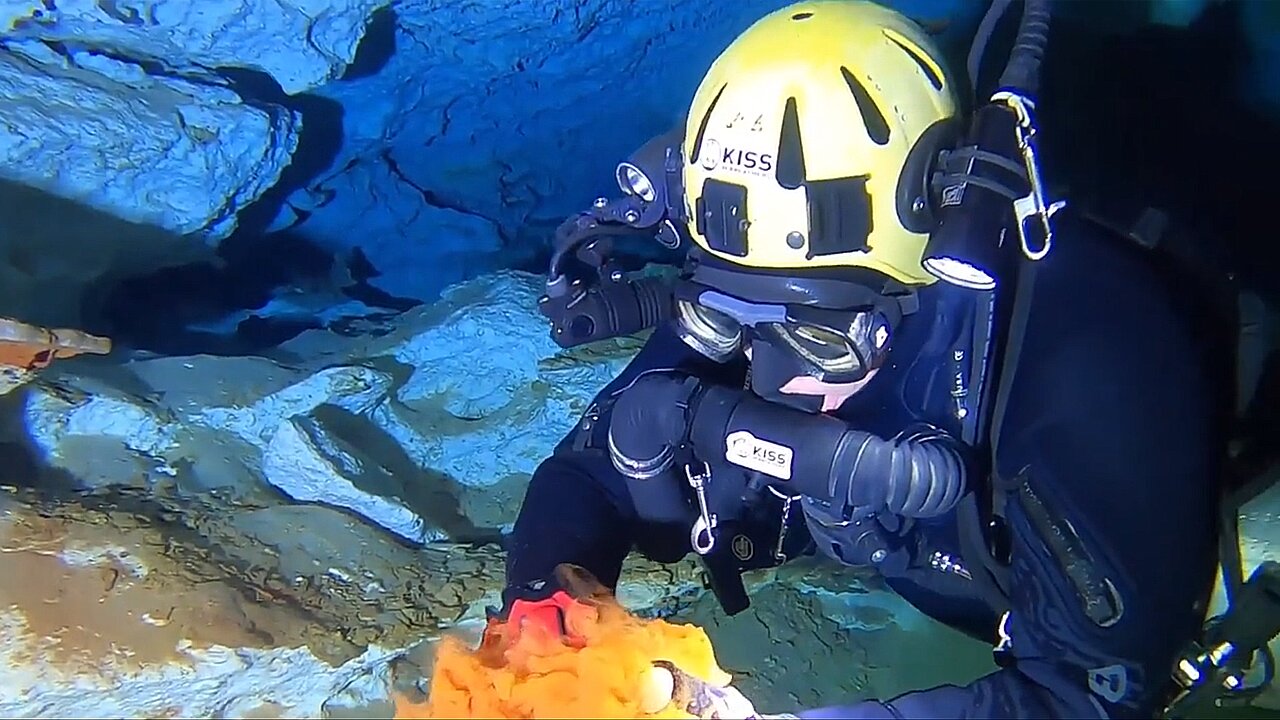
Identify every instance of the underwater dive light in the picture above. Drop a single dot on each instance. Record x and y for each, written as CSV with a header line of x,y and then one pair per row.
x,y
589,294
989,187
634,181
975,186
652,175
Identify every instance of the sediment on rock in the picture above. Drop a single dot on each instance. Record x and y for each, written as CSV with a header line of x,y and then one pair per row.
x,y
345,584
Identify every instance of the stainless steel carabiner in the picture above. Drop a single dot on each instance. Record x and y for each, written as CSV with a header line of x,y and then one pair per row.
x,y
702,536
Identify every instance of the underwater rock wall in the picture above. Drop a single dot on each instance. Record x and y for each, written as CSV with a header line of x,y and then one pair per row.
x,y
439,139
299,43
122,614
163,151
203,607
478,119
128,107
491,122
429,430
425,142
212,535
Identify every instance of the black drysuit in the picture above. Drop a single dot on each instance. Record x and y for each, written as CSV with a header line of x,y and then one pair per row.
x,y
1113,427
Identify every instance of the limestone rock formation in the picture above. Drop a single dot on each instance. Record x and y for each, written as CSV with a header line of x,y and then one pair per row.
x,y
181,154
429,431
299,43
133,108
224,609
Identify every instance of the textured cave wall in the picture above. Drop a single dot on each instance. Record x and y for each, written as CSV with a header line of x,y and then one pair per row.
x,y
421,142
439,139
489,123
134,135
129,106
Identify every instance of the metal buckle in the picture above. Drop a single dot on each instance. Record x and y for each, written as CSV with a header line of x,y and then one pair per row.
x,y
1001,654
702,536
1034,203
778,555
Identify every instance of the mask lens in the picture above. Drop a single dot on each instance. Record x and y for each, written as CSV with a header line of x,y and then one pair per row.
x,y
827,350
708,331
842,356
818,342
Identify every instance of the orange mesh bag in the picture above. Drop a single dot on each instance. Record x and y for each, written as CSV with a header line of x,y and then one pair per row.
x,y
535,673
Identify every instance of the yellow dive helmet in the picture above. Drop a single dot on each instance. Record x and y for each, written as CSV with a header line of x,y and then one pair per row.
x,y
803,142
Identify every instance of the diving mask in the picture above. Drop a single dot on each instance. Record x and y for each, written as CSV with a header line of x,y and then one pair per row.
x,y
834,346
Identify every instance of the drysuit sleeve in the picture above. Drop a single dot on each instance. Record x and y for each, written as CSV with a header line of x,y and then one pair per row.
x,y
1113,446
577,508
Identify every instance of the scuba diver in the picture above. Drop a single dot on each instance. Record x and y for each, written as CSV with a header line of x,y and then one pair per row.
x,y
889,346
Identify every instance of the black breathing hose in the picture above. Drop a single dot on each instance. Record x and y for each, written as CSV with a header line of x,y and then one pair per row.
x,y
1022,72
916,477
982,38
813,455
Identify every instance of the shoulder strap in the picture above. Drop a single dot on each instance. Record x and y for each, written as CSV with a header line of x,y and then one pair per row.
x,y
1026,281
989,572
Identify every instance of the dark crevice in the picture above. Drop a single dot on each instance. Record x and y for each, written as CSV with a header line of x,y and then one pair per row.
x,y
446,119
586,25
435,200
362,271
428,196
251,272
155,68
318,143
429,493
128,16
376,47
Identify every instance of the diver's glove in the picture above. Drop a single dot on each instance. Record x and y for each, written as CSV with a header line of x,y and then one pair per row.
x,y
668,686
542,605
